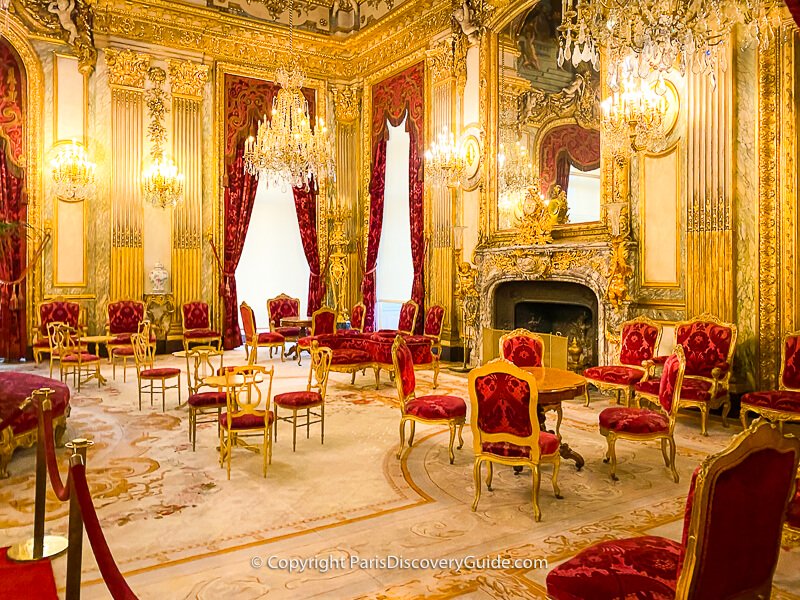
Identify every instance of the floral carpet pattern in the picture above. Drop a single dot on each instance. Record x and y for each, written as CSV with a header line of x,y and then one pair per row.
x,y
179,529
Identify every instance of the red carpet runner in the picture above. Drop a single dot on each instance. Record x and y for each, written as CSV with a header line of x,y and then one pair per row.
x,y
26,581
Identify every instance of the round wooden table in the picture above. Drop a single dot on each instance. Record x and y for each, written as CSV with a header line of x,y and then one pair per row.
x,y
555,386
303,323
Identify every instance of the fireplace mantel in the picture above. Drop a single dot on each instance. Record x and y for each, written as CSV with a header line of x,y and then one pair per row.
x,y
587,263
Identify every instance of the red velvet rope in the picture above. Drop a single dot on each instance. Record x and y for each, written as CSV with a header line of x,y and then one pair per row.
x,y
61,491
10,419
115,582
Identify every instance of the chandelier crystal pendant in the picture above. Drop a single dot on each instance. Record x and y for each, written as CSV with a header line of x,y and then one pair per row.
x,y
73,174
660,34
286,150
634,116
445,161
515,170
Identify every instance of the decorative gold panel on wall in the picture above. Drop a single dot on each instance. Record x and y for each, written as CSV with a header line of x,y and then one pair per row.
x,y
127,71
660,191
187,81
709,233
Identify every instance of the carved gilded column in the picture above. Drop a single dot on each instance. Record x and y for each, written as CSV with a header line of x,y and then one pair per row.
x,y
127,71
441,99
187,80
346,110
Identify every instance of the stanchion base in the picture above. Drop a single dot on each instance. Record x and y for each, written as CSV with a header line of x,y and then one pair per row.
x,y
460,369
23,551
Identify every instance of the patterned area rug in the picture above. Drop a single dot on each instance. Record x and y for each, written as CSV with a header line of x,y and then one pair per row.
x,y
347,519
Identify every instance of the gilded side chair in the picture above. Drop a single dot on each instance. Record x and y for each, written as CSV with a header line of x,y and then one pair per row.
x,y
281,307
731,534
505,426
313,398
125,318
243,420
253,340
781,405
148,377
708,345
639,340
645,425
204,400
72,357
323,322
429,358
196,323
430,409
57,310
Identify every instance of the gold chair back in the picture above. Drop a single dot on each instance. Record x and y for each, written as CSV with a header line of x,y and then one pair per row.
x,y
143,351
201,362
321,358
244,395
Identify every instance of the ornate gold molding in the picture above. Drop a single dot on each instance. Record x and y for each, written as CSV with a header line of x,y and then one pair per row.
x,y
187,78
346,104
126,68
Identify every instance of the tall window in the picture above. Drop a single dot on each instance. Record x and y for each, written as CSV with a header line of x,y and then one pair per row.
x,y
272,260
394,272
583,196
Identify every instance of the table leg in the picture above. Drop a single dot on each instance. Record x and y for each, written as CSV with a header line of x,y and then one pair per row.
x,y
565,451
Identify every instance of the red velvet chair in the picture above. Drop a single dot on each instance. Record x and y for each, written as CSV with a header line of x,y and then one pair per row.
x,y
72,357
147,375
638,344
432,330
312,398
323,322
644,425
432,409
196,321
279,308
357,315
54,311
406,322
505,426
731,534
124,319
791,529
523,348
781,405
253,340
708,345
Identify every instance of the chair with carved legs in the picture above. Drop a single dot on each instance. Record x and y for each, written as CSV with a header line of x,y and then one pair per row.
x,y
505,426
253,340
312,398
731,533
323,322
149,378
55,311
201,362
431,409
644,425
72,357
196,322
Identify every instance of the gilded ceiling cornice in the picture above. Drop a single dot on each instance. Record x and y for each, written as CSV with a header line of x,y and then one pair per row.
x,y
239,39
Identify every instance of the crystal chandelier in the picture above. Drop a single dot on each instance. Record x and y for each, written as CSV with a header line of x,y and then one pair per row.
x,y
162,185
660,34
445,161
634,115
286,150
515,171
73,174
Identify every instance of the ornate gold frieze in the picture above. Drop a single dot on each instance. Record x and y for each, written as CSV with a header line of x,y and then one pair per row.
x,y
187,78
346,104
540,264
126,68
155,100
579,100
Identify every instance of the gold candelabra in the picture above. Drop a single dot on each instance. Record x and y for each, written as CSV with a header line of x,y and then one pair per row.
x,y
337,266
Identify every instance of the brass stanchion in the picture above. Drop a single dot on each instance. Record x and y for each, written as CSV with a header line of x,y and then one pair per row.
x,y
75,554
40,545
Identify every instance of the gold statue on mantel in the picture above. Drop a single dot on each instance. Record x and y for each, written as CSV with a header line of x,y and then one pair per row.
x,y
535,226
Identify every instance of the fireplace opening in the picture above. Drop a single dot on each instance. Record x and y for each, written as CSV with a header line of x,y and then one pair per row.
x,y
555,307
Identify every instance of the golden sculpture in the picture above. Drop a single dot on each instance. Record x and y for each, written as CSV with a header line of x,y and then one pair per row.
x,y
557,205
536,223
620,271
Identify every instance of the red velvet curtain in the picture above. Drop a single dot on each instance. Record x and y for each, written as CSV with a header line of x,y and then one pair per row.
x,y
562,171
578,147
240,195
377,185
794,8
13,205
247,100
394,99
305,202
13,250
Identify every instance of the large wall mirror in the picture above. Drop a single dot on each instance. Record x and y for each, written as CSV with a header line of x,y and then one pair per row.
x,y
550,115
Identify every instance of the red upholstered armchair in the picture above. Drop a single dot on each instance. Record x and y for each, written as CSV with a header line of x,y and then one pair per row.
x,y
638,343
196,321
357,317
124,319
253,340
748,484
781,405
523,348
643,425
791,529
505,426
54,311
406,322
433,409
708,345
434,322
280,307
323,322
